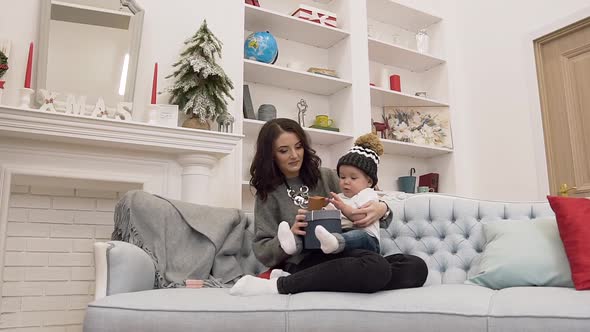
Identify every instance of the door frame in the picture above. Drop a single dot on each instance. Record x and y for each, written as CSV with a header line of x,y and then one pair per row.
x,y
542,173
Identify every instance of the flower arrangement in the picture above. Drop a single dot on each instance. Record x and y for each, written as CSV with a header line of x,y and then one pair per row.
x,y
418,127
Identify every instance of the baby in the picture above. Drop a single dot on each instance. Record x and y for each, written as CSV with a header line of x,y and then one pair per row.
x,y
357,171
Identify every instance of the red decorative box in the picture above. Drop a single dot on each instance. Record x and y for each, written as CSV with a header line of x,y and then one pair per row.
x,y
316,15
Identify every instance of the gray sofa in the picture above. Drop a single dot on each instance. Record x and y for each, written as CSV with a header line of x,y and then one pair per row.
x,y
445,231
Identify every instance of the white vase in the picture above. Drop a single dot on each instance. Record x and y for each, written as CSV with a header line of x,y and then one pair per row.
x,y
422,41
384,78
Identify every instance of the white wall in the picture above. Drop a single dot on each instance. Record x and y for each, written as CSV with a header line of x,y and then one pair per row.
x,y
500,152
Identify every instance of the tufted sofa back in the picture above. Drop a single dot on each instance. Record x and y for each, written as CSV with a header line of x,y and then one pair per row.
x,y
446,231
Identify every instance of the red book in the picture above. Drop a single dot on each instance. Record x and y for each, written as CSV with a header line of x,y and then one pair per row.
x,y
429,180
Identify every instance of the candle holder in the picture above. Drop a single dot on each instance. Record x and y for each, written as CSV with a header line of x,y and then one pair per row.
x,y
1,90
25,97
153,114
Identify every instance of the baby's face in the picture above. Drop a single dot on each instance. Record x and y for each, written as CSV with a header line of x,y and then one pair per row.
x,y
353,180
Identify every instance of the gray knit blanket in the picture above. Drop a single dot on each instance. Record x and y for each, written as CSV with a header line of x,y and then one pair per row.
x,y
185,241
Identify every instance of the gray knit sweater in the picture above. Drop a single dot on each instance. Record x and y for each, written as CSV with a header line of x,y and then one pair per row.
x,y
278,207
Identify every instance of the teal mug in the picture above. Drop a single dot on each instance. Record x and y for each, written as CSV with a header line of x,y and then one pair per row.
x,y
407,184
425,189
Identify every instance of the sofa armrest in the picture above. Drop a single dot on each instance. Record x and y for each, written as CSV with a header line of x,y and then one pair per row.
x,y
121,267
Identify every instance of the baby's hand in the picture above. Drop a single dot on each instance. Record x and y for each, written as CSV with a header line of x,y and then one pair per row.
x,y
330,206
336,201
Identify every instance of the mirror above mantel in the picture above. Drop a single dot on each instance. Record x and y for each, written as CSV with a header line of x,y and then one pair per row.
x,y
90,48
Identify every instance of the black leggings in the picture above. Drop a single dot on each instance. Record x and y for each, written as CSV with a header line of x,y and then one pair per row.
x,y
357,271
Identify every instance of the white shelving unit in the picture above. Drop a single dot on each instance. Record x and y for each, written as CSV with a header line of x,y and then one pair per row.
x,y
318,136
381,97
291,28
405,17
412,150
398,56
287,78
344,99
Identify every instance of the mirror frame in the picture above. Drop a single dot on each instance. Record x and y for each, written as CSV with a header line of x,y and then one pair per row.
x,y
135,29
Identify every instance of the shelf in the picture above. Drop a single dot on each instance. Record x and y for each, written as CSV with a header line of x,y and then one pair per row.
x,y
381,97
398,56
317,136
413,150
263,73
389,12
291,28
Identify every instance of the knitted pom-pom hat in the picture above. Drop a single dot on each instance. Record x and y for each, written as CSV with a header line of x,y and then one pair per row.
x,y
364,155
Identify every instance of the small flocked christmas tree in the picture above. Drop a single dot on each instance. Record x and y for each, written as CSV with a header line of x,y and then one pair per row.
x,y
201,84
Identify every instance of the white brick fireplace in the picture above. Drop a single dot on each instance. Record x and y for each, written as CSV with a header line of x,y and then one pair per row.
x,y
60,177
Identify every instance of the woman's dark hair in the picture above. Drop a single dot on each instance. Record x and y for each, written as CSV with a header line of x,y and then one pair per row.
x,y
266,175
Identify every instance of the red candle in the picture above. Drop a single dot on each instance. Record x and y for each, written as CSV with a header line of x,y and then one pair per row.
x,y
155,84
29,67
394,83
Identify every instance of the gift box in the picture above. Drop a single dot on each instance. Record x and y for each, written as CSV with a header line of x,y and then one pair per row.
x,y
317,15
329,219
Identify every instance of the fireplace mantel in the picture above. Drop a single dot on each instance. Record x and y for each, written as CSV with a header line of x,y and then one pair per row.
x,y
195,151
60,127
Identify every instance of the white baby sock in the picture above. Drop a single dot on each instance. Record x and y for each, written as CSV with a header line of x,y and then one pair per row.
x,y
329,243
249,285
287,238
275,273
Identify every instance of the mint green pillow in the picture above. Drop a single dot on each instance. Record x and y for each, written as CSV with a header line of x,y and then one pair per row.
x,y
522,253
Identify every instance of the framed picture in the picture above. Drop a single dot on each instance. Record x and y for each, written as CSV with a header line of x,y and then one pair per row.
x,y
247,106
424,126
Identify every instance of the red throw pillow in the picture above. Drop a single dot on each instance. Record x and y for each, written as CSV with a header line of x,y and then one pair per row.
x,y
573,221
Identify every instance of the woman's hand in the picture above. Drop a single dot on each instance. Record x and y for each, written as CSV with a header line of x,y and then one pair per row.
x,y
299,223
373,210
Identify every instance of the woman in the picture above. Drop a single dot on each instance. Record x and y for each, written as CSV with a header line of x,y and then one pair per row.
x,y
285,171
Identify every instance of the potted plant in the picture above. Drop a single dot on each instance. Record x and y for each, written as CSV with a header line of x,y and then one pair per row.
x,y
3,69
201,84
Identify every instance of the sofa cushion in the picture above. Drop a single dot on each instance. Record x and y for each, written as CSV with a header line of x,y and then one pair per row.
x,y
182,309
522,253
448,307
573,219
539,309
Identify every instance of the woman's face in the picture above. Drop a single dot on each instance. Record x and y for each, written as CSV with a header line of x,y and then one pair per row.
x,y
288,154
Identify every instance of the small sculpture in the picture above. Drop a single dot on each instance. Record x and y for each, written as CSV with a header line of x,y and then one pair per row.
x,y
100,110
48,97
225,123
382,127
123,111
75,107
302,107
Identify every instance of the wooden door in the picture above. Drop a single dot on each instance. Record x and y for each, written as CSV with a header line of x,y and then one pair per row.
x,y
563,70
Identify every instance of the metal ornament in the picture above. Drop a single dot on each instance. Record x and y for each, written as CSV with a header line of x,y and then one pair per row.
x,y
302,107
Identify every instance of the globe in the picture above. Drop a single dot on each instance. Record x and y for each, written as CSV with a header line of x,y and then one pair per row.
x,y
261,46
